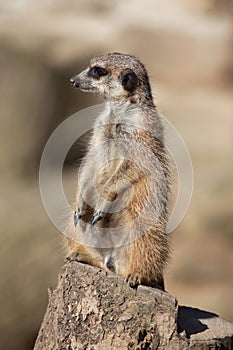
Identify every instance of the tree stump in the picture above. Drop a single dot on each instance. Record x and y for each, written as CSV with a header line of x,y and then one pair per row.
x,y
93,310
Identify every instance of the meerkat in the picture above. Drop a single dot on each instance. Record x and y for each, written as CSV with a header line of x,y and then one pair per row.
x,y
120,214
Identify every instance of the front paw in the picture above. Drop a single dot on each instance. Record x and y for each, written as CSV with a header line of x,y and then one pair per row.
x,y
133,280
104,208
98,215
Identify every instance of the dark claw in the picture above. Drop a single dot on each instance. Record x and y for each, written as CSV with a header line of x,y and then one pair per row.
x,y
77,216
96,218
76,257
133,281
72,257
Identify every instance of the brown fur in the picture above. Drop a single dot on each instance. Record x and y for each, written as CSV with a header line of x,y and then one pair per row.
x,y
142,250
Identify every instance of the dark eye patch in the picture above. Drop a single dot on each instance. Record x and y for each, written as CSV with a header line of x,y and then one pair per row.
x,y
97,72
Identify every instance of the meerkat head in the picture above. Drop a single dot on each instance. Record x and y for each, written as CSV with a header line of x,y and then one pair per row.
x,y
116,76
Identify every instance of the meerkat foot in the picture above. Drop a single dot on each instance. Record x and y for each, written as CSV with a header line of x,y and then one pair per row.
x,y
96,217
76,256
133,280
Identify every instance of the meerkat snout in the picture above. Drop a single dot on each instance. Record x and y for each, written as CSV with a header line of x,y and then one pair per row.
x,y
74,81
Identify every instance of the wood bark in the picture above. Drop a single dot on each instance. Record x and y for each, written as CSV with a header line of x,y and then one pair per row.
x,y
93,310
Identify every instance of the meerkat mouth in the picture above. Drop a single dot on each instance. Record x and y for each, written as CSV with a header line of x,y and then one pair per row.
x,y
76,83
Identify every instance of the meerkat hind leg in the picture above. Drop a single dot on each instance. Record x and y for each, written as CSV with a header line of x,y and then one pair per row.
x,y
84,256
153,284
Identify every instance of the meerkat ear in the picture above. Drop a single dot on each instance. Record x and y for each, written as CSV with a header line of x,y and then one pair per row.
x,y
129,80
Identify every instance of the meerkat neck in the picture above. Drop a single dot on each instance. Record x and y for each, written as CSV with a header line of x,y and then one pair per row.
x,y
116,105
119,113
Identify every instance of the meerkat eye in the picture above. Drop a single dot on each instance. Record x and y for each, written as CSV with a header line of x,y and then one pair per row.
x,y
97,72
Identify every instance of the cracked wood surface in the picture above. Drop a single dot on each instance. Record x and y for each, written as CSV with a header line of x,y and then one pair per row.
x,y
93,310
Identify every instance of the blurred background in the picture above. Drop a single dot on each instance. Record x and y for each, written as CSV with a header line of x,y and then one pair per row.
x,y
187,47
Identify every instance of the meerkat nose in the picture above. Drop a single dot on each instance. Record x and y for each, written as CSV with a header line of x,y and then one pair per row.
x,y
74,82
